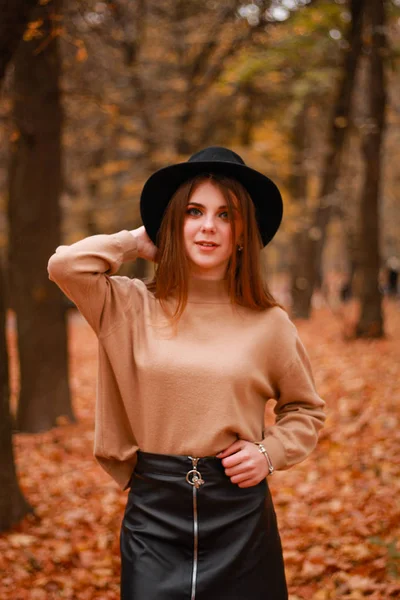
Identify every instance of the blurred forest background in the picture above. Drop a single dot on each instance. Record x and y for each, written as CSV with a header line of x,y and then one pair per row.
x,y
95,96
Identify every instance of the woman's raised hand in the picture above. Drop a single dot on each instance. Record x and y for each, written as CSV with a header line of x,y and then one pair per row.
x,y
145,247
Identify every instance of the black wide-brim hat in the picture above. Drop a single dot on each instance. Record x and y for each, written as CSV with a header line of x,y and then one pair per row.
x,y
161,186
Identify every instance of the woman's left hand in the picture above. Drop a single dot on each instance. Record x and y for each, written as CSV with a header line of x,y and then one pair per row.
x,y
244,463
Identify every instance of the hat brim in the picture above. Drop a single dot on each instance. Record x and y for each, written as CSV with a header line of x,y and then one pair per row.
x,y
161,186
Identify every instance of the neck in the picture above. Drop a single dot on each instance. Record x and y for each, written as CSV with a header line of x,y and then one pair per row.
x,y
213,291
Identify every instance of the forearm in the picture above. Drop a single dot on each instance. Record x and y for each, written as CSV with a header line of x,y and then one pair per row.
x,y
300,411
97,254
295,435
82,271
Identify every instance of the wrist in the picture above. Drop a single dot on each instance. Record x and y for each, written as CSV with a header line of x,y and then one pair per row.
x,y
134,234
263,450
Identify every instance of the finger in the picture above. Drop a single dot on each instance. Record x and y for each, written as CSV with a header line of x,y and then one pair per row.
x,y
242,477
248,483
243,467
234,447
233,460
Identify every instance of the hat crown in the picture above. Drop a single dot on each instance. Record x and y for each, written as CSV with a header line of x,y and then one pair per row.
x,y
162,185
216,153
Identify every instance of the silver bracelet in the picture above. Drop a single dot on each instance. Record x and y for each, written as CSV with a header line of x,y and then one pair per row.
x,y
262,449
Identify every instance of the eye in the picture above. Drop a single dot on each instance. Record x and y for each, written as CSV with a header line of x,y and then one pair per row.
x,y
224,214
194,212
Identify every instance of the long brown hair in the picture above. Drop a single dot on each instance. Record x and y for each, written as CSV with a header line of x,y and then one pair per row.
x,y
244,278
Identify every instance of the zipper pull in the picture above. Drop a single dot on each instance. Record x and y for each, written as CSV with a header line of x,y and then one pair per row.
x,y
193,477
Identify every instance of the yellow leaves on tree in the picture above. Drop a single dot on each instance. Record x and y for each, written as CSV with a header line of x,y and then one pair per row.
x,y
33,30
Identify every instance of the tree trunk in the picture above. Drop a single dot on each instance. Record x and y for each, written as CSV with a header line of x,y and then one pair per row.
x,y
370,323
348,288
14,19
315,239
13,506
34,218
246,120
297,184
184,142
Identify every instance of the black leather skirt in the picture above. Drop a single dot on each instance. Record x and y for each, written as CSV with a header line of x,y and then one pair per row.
x,y
188,533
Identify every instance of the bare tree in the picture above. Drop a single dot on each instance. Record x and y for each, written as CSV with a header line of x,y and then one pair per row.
x,y
13,505
297,184
34,219
370,323
313,239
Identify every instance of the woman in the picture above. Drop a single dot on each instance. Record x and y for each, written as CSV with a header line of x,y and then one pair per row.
x,y
186,365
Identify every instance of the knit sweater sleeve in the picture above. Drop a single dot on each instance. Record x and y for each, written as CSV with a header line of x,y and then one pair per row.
x,y
299,409
82,271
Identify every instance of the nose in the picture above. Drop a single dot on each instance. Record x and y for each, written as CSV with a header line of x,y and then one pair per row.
x,y
208,223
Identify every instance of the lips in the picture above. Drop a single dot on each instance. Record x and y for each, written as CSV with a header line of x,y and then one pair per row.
x,y
207,244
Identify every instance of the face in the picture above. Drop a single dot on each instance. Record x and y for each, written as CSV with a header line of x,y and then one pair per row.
x,y
207,232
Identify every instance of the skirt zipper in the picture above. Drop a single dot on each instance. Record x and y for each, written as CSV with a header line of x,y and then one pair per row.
x,y
194,478
195,544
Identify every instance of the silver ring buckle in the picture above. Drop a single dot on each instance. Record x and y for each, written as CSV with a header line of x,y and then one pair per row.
x,y
193,477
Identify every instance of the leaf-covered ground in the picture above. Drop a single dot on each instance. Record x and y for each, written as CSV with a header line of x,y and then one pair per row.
x,y
339,511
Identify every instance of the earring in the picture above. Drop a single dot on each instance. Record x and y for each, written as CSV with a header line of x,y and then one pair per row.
x,y
239,248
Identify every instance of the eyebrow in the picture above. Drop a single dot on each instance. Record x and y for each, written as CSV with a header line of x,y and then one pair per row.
x,y
202,205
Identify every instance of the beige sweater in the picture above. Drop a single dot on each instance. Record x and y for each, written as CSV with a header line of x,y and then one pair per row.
x,y
193,391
